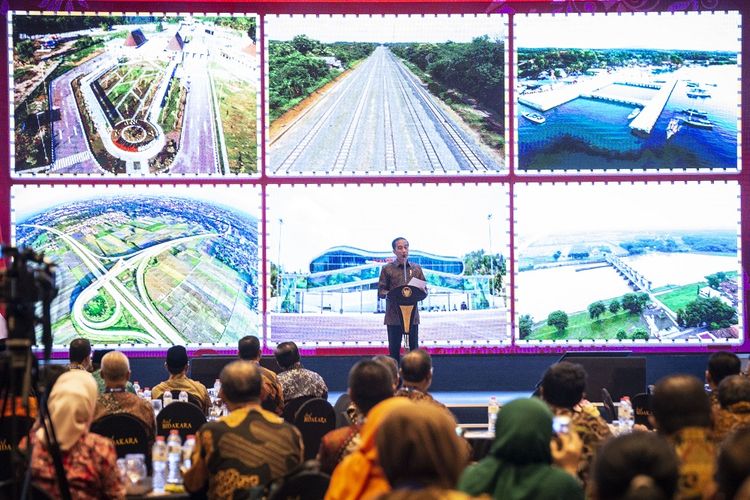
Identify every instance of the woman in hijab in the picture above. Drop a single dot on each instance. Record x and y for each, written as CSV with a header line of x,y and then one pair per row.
x,y
520,462
89,460
359,475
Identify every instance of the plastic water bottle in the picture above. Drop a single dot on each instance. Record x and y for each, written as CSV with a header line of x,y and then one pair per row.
x,y
625,414
137,389
492,410
187,451
159,464
147,394
174,457
167,398
183,396
217,386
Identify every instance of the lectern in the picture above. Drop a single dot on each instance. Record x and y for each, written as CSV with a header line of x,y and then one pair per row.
x,y
406,297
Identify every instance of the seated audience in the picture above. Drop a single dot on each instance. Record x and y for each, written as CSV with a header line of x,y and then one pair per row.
x,y
682,413
562,389
249,447
359,474
177,365
733,467
392,366
79,355
733,411
720,365
89,460
416,377
519,465
296,381
369,384
420,453
271,395
115,399
96,365
636,466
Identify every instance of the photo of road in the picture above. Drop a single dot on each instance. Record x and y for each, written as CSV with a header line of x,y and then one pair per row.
x,y
145,268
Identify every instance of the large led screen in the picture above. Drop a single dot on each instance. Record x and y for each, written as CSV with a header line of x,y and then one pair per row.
x,y
134,95
644,263
386,94
631,92
147,265
327,245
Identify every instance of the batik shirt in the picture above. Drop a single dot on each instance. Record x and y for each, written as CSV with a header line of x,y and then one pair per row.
x,y
271,393
697,455
298,382
114,401
729,419
181,382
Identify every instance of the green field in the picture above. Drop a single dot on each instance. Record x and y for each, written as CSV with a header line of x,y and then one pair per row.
x,y
679,297
237,113
581,326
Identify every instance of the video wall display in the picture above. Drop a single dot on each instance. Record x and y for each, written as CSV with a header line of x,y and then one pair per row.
x,y
631,92
327,245
147,265
358,95
646,263
119,95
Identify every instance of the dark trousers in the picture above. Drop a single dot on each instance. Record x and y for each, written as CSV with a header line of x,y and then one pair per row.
x,y
395,335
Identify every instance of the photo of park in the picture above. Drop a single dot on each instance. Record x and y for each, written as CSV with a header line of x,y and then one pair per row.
x,y
644,263
628,92
386,94
134,95
325,261
147,265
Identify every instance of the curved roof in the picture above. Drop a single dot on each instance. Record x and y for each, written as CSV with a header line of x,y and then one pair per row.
x,y
357,257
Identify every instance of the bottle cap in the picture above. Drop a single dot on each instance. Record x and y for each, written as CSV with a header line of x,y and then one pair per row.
x,y
160,438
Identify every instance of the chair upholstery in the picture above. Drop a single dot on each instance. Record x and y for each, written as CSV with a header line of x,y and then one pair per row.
x,y
187,418
192,398
642,409
306,482
129,434
23,426
291,407
314,419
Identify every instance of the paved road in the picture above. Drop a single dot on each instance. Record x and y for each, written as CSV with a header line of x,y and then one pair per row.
x,y
378,119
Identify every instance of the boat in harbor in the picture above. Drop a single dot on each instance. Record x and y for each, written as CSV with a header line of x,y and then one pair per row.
x,y
696,122
698,93
673,127
695,112
534,117
634,113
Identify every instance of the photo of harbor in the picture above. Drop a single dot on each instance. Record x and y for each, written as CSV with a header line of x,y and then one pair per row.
x,y
631,92
602,266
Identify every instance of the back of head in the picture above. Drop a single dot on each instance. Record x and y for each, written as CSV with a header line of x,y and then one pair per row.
x,y
369,383
523,432
287,355
733,466
641,465
79,350
680,401
416,366
177,359
734,389
723,364
71,406
563,384
240,382
248,348
96,358
419,445
115,367
391,364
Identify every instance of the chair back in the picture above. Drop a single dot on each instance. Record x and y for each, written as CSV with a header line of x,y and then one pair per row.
x,y
306,482
129,434
185,417
291,407
192,398
642,409
340,407
314,419
609,406
7,442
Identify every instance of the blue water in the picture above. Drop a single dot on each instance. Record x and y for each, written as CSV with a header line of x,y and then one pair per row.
x,y
589,134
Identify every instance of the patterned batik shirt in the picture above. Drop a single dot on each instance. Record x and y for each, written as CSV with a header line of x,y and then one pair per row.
x,y
271,393
697,455
112,402
729,419
299,382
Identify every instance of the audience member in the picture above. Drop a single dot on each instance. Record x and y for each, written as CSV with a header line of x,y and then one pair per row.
x,y
115,399
271,395
637,466
420,453
519,465
89,460
249,447
682,413
392,366
177,365
733,411
720,365
562,388
369,384
296,381
96,365
733,467
79,355
359,474
416,377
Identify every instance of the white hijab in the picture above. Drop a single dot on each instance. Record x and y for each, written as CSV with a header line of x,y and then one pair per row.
x,y
71,407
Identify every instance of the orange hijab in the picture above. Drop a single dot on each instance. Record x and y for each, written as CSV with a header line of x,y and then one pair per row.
x,y
359,475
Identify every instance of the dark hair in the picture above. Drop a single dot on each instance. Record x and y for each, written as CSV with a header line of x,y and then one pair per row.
x,y
240,381
680,401
79,350
248,347
177,359
286,354
733,465
734,389
370,383
563,384
392,366
723,364
395,240
416,366
96,359
641,465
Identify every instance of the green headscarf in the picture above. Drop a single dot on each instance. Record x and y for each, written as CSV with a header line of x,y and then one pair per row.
x,y
519,464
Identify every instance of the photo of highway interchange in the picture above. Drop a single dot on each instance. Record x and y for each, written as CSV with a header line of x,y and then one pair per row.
x,y
135,95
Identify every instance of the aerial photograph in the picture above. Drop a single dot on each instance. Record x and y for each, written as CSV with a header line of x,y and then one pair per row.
x,y
147,265
386,94
646,263
630,92
325,261
134,95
